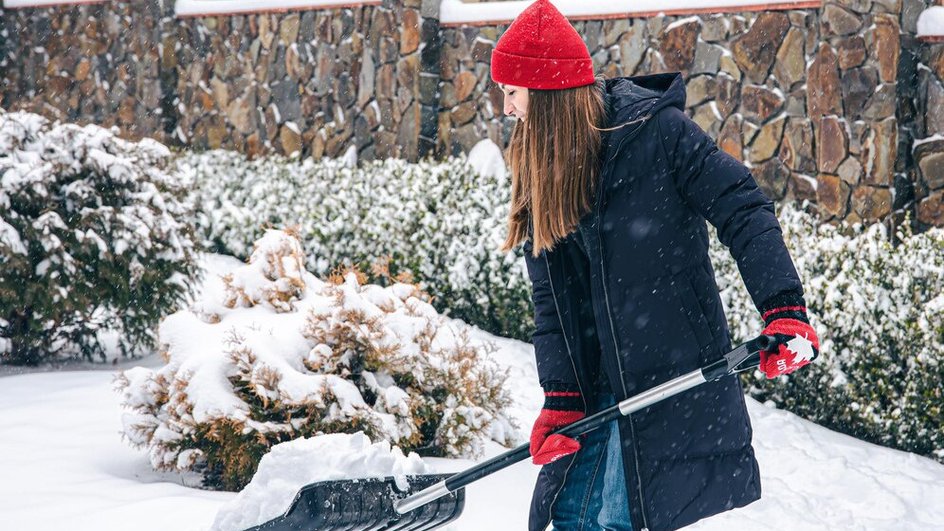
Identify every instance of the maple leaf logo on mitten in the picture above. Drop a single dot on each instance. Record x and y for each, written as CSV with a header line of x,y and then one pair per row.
x,y
802,349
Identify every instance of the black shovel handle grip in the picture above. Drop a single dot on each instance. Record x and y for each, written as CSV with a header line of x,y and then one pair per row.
x,y
744,357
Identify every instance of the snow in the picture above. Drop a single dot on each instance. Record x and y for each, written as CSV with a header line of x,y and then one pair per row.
x,y
459,12
39,3
681,22
184,8
931,22
486,158
933,138
65,466
292,465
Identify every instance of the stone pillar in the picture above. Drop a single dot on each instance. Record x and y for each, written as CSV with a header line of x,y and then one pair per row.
x,y
429,81
925,148
851,101
163,13
8,38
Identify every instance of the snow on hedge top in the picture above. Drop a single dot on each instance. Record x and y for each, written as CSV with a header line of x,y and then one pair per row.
x,y
291,465
459,12
931,22
486,158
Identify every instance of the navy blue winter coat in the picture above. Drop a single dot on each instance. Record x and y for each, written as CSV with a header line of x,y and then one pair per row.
x,y
640,306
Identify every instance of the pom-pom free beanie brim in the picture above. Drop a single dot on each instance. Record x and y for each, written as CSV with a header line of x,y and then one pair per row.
x,y
541,50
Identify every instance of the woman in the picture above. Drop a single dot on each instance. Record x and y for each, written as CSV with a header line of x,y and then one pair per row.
x,y
611,188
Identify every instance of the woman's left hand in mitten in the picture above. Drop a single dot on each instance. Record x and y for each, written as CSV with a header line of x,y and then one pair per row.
x,y
563,405
797,343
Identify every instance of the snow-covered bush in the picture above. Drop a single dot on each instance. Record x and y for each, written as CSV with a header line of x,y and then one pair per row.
x,y
879,311
440,221
271,353
94,236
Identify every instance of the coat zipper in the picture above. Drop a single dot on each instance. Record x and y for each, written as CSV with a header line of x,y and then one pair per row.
x,y
619,364
570,355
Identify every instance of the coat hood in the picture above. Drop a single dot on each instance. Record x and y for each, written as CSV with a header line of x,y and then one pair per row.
x,y
636,98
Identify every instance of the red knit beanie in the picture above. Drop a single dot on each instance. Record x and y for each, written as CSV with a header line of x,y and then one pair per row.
x,y
541,50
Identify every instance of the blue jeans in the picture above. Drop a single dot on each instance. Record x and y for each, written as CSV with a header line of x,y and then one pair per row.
x,y
594,497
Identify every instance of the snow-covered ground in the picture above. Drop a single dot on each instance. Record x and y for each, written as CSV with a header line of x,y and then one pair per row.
x,y
64,466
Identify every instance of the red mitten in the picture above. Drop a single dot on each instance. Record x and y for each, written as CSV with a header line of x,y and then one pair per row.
x,y
562,406
798,344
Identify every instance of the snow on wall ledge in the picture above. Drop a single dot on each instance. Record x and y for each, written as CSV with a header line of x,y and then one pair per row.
x,y
11,4
198,8
931,24
457,12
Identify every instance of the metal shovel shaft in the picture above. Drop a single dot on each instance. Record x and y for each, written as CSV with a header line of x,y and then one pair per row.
x,y
741,358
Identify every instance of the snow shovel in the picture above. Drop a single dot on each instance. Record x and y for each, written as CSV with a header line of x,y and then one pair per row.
x,y
380,505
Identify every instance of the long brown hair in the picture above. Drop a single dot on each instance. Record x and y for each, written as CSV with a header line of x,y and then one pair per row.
x,y
554,159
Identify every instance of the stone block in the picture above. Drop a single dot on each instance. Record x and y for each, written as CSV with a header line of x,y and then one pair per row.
x,y
698,89
931,209
796,149
767,142
930,161
884,42
934,119
858,86
832,196
678,45
408,69
366,78
790,66
463,113
727,94
851,51
759,103
831,144
838,21
290,139
730,67
772,177
729,139
482,51
850,171
879,152
409,31
755,51
823,94
715,28
288,28
802,187
871,204
707,58
465,85
706,116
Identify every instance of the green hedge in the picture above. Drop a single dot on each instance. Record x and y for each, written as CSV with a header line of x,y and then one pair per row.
x,y
877,307
95,239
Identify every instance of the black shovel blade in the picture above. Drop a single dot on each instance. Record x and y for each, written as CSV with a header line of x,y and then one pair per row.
x,y
365,505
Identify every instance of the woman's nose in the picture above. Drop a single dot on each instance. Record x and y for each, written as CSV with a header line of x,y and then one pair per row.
x,y
509,108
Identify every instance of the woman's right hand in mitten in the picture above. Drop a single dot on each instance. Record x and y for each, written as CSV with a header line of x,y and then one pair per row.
x,y
561,407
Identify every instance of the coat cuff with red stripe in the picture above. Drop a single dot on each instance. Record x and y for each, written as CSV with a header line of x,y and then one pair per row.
x,y
562,397
785,305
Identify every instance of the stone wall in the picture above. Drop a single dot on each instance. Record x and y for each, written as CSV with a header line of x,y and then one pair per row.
x,y
826,132
94,63
812,100
312,81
